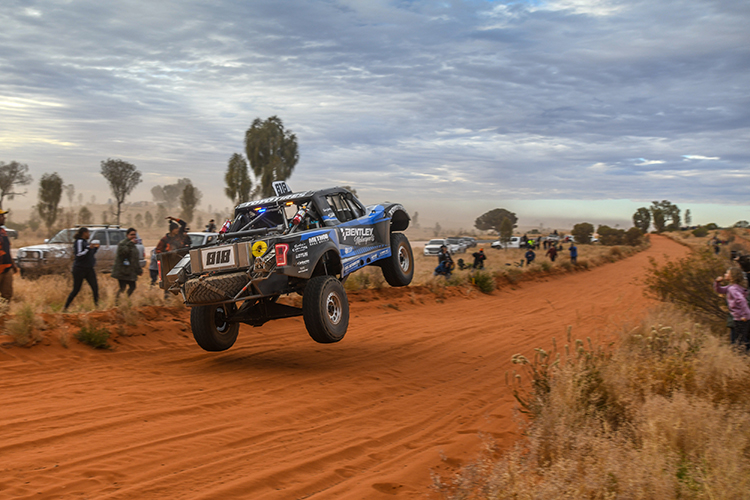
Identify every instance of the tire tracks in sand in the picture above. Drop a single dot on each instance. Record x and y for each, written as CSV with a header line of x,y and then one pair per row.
x,y
414,387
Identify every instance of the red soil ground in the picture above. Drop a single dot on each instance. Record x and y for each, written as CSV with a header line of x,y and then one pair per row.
x,y
414,388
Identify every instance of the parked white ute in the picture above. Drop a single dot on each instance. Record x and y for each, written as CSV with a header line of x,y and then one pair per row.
x,y
515,242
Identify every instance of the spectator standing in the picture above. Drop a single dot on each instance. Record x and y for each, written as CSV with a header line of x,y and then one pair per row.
x,y
736,295
211,226
127,265
530,256
552,253
84,260
479,258
176,238
153,267
7,265
573,253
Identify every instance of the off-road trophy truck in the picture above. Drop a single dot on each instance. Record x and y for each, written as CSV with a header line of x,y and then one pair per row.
x,y
306,243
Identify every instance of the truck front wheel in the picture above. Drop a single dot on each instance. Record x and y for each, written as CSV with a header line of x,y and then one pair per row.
x,y
325,309
210,327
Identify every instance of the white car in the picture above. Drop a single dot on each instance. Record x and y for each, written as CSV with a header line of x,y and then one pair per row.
x,y
455,244
199,239
515,242
433,247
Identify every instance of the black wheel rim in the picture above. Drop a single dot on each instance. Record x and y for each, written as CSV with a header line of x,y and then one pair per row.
x,y
220,319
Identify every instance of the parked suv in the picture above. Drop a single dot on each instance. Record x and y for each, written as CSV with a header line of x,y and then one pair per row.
x,y
56,254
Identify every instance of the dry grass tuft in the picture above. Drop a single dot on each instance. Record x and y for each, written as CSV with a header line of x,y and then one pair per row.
x,y
665,415
25,327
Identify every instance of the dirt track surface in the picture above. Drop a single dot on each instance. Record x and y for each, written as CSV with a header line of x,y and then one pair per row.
x,y
411,389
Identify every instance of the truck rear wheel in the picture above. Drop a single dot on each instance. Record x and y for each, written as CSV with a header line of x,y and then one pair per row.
x,y
325,308
398,269
210,327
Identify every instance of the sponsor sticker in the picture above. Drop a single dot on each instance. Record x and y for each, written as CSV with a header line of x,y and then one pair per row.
x,y
358,235
259,248
321,238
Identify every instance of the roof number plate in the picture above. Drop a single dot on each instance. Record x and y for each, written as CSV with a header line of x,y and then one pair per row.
x,y
281,188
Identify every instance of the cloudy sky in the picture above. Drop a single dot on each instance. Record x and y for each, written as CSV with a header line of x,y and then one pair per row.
x,y
577,110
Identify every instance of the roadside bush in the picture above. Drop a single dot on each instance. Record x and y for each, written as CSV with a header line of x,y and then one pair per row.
x,y
666,415
700,232
687,284
25,326
610,236
483,281
95,336
633,237
582,233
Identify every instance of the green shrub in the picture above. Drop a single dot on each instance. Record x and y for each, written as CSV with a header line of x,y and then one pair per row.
x,y
687,284
610,236
633,237
484,281
700,232
95,336
545,266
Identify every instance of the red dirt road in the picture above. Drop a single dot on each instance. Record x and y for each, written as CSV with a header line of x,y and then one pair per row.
x,y
412,388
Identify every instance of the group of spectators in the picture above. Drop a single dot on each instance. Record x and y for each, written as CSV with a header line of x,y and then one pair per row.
x,y
552,252
127,266
446,265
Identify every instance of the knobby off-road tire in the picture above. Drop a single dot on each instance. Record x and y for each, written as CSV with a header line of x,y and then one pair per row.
x,y
325,308
215,288
210,328
398,269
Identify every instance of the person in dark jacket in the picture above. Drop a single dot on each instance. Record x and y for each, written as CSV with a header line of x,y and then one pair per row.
x,y
479,258
530,256
127,266
445,262
84,260
7,265
552,253
176,238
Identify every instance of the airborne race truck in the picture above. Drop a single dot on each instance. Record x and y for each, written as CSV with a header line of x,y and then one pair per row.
x,y
307,243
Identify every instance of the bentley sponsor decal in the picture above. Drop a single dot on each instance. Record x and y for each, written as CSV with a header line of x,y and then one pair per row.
x,y
357,235
221,257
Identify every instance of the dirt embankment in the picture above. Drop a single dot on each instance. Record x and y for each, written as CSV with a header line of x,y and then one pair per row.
x,y
412,388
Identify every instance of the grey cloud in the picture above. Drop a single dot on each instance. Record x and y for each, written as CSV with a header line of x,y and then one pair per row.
x,y
521,100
